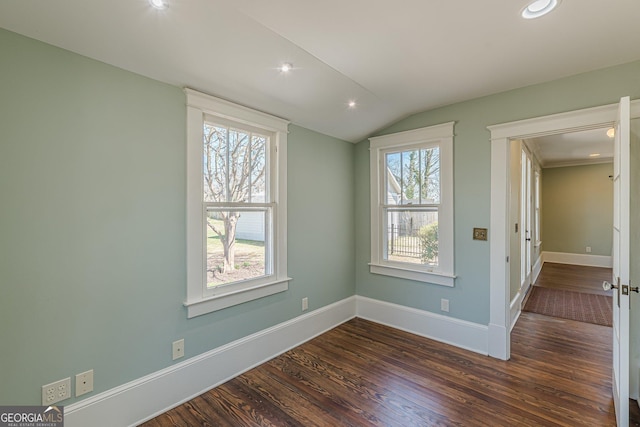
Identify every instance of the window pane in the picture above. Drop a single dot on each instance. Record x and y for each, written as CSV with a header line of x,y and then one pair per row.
x,y
239,166
393,179
234,165
258,188
412,236
237,245
430,175
215,163
411,177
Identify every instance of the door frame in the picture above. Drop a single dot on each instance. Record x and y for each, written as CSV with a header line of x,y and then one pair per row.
x,y
499,328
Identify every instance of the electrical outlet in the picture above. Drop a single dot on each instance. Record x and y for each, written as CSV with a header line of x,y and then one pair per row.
x,y
178,349
56,391
588,250
305,303
444,305
84,383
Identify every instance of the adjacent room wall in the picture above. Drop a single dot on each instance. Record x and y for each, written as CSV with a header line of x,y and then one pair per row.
x,y
92,253
577,209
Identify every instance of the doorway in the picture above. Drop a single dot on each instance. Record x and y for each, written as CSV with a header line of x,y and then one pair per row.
x,y
501,135
500,322
571,173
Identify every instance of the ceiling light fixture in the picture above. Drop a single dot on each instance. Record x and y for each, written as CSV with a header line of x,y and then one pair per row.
x,y
352,104
286,67
538,8
611,132
159,4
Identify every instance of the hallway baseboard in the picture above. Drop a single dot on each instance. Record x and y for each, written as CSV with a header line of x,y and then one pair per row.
x,y
577,259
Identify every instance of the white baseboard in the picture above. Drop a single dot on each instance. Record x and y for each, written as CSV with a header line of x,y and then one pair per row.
x,y
142,399
537,268
516,308
149,396
467,335
516,303
577,259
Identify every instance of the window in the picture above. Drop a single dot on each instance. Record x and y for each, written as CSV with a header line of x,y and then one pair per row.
x,y
412,204
236,204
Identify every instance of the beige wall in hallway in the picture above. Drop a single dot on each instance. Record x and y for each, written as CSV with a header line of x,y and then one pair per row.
x,y
577,209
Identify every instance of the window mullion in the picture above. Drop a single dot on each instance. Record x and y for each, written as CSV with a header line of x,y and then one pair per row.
x,y
401,178
420,176
250,151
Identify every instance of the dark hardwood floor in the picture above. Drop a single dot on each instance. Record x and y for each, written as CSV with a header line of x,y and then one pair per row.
x,y
576,278
365,374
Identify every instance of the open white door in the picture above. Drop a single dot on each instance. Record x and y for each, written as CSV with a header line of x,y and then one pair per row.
x,y
621,264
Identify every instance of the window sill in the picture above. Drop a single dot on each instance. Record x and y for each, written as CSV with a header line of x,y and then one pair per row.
x,y
433,277
218,302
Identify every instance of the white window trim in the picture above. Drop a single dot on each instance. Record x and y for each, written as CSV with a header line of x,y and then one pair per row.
x,y
197,303
442,135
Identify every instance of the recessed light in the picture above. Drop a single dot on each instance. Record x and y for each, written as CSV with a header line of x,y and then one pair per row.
x,y
159,4
538,8
286,67
611,132
352,104
594,155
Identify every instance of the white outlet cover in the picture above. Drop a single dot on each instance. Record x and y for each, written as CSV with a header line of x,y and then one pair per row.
x,y
84,383
56,391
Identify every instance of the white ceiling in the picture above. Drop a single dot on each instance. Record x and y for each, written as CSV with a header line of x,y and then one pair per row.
x,y
571,149
394,58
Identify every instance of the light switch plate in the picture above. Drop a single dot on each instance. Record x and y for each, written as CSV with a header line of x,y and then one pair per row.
x,y
479,234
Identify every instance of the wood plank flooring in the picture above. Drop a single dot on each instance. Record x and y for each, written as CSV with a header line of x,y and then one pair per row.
x,y
575,278
365,374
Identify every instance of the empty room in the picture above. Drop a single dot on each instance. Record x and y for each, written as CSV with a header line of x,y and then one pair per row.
x,y
222,212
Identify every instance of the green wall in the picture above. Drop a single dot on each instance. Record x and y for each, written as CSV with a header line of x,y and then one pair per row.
x,y
469,298
92,253
577,209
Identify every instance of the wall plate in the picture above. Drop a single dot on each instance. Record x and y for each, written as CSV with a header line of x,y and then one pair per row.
x,y
479,234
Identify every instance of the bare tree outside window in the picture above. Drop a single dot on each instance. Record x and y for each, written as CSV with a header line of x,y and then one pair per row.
x,y
234,169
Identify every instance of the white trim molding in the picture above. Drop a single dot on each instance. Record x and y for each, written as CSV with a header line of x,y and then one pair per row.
x,y
578,259
460,333
147,397
200,299
140,400
442,137
537,268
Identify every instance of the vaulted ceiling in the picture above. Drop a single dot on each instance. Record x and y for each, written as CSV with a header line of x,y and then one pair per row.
x,y
392,58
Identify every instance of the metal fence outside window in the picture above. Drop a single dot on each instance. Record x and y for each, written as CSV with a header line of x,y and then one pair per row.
x,y
404,240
